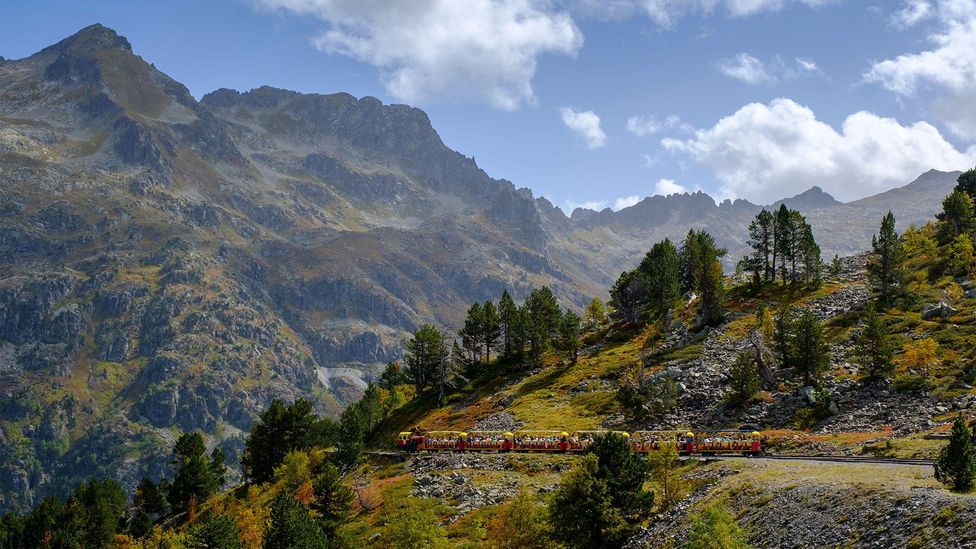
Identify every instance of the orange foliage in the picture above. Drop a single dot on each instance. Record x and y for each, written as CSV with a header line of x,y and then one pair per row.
x,y
305,493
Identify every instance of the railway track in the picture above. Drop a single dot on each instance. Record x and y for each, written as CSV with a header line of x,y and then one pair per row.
x,y
818,458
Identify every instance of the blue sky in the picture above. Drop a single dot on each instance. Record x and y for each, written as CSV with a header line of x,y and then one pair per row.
x,y
758,99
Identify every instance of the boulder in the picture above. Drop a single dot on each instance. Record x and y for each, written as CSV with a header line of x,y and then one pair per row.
x,y
939,310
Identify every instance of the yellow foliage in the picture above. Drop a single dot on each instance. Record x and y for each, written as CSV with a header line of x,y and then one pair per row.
x,y
294,470
521,523
921,356
305,493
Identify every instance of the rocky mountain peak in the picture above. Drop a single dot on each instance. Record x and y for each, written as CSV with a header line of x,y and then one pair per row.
x,y
90,38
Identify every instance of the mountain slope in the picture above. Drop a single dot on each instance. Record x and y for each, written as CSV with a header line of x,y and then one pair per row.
x,y
172,264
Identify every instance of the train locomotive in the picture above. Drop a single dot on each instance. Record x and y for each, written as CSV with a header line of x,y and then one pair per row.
x,y
704,443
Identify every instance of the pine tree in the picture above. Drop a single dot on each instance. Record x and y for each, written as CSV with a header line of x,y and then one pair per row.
x,y
216,531
784,333
292,527
508,320
967,183
812,264
886,263
744,380
810,351
628,294
332,498
472,334
281,429
784,245
875,346
957,216
490,328
660,268
956,467
700,254
761,241
568,336
425,350
194,472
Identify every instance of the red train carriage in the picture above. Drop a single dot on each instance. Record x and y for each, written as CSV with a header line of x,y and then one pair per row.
x,y
686,442
728,442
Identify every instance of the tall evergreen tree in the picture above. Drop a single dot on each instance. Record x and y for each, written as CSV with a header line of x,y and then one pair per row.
x,y
332,499
425,351
957,216
292,527
744,379
956,466
217,531
543,319
783,334
810,351
690,262
508,320
490,328
568,335
472,334
279,430
761,241
784,244
196,476
661,267
628,294
886,263
967,183
812,263
700,254
874,346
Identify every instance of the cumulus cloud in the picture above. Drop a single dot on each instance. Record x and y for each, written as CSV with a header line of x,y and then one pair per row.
x,y
912,13
586,124
667,187
754,71
626,201
666,13
477,49
946,73
766,152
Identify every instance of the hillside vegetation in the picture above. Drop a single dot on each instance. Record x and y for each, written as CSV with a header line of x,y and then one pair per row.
x,y
870,354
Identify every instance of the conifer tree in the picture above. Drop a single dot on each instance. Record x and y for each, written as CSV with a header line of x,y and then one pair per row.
x,y
490,328
292,527
660,269
279,430
332,498
568,336
784,245
967,183
761,241
472,334
700,254
875,346
957,216
508,322
812,264
956,467
425,350
783,334
886,263
628,294
744,379
196,476
810,351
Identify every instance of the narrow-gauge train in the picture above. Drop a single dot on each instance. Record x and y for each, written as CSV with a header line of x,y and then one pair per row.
x,y
686,442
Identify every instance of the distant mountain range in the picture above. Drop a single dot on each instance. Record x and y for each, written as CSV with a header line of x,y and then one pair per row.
x,y
173,263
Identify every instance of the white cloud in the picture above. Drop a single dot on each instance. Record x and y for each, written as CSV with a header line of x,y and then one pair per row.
x,y
946,73
626,202
588,204
479,49
746,68
913,12
586,124
666,13
766,152
754,71
642,126
667,187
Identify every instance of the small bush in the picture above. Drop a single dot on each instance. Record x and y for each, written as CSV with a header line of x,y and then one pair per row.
x,y
715,528
912,382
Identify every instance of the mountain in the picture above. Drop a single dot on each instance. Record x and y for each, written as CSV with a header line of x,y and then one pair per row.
x,y
172,264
